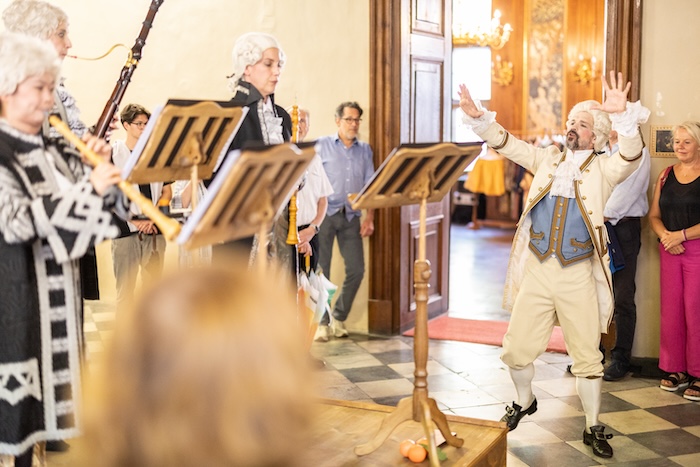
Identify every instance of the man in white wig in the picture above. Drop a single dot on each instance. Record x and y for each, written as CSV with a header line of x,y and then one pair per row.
x,y
559,267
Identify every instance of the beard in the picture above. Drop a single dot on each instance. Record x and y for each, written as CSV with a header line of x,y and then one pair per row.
x,y
572,140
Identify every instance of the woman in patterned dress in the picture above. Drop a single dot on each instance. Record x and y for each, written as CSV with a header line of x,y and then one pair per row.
x,y
51,211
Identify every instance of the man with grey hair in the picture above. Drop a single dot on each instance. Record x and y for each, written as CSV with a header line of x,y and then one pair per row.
x,y
348,162
559,266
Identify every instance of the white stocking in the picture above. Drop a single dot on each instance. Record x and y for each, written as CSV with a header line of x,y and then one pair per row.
x,y
522,379
589,391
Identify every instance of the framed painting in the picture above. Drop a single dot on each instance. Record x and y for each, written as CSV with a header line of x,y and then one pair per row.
x,y
661,141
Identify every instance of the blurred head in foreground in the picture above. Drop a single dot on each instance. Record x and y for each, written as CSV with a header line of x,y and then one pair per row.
x,y
206,369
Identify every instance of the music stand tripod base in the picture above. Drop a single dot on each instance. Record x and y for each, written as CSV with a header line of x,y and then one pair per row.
x,y
416,175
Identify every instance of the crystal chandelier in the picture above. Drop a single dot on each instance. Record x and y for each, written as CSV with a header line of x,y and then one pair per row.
x,y
495,37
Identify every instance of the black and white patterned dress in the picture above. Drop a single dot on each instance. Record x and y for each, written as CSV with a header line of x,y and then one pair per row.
x,y
49,216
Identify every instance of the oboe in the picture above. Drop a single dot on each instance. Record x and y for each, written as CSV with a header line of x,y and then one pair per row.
x,y
110,109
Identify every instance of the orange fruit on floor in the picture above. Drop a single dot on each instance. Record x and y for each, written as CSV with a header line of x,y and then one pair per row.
x,y
405,446
423,440
417,453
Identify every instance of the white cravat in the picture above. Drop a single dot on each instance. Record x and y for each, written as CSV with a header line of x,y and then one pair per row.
x,y
272,125
567,173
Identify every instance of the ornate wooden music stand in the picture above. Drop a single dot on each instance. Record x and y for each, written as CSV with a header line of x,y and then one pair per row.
x,y
183,140
249,188
416,174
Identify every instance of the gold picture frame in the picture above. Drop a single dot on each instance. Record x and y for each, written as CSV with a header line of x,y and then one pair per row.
x,y
661,141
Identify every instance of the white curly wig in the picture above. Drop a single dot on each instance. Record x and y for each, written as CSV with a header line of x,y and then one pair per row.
x,y
601,122
33,17
248,50
22,57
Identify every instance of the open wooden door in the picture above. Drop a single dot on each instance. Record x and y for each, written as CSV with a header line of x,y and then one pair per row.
x,y
410,94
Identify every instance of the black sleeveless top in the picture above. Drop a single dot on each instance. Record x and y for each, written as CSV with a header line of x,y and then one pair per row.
x,y
679,203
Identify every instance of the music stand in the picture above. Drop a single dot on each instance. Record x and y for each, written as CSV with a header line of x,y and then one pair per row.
x,y
183,136
249,188
416,174
184,139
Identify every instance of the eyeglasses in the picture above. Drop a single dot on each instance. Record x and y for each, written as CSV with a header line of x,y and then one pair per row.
x,y
138,124
351,120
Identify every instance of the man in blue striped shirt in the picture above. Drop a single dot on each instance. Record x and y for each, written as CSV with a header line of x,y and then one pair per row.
x,y
349,165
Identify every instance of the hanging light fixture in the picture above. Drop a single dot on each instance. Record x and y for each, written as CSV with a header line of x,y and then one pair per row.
x,y
495,36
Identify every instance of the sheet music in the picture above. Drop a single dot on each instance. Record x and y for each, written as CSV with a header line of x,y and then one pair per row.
x,y
153,121
203,205
394,183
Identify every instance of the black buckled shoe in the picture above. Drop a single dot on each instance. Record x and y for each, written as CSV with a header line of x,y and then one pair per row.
x,y
598,440
616,371
515,413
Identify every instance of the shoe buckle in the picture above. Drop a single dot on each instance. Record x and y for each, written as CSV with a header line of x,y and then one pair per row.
x,y
602,436
510,410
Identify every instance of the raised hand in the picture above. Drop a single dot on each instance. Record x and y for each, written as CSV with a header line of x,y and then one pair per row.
x,y
467,104
615,94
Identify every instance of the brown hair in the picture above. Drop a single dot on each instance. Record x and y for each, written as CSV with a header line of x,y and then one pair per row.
x,y
131,111
349,104
206,369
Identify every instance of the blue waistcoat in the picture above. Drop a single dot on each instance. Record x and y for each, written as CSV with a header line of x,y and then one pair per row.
x,y
558,230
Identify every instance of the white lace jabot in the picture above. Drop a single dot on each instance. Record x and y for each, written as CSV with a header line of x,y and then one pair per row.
x,y
272,125
567,173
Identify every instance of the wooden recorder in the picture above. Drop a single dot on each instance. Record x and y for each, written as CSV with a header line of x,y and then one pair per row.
x,y
170,228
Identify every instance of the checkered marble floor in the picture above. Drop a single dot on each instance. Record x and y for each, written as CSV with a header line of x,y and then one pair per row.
x,y
652,428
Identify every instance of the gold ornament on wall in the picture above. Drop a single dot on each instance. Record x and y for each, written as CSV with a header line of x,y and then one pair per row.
x,y
585,69
501,71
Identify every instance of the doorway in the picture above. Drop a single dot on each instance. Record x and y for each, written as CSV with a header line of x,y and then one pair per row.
x,y
478,262
399,28
530,62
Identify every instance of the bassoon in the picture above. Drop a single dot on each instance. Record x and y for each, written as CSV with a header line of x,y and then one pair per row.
x,y
169,227
132,61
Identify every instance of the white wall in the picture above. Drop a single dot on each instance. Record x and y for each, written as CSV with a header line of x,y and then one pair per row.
x,y
670,67
187,55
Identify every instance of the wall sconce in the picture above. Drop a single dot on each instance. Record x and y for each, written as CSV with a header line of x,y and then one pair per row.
x,y
585,71
496,37
501,71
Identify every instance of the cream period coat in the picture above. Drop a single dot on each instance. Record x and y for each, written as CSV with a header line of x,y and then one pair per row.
x,y
600,174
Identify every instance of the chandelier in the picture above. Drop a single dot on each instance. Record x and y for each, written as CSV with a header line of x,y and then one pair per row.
x,y
495,37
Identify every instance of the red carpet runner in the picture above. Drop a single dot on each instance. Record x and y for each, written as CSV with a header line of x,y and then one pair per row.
x,y
480,332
